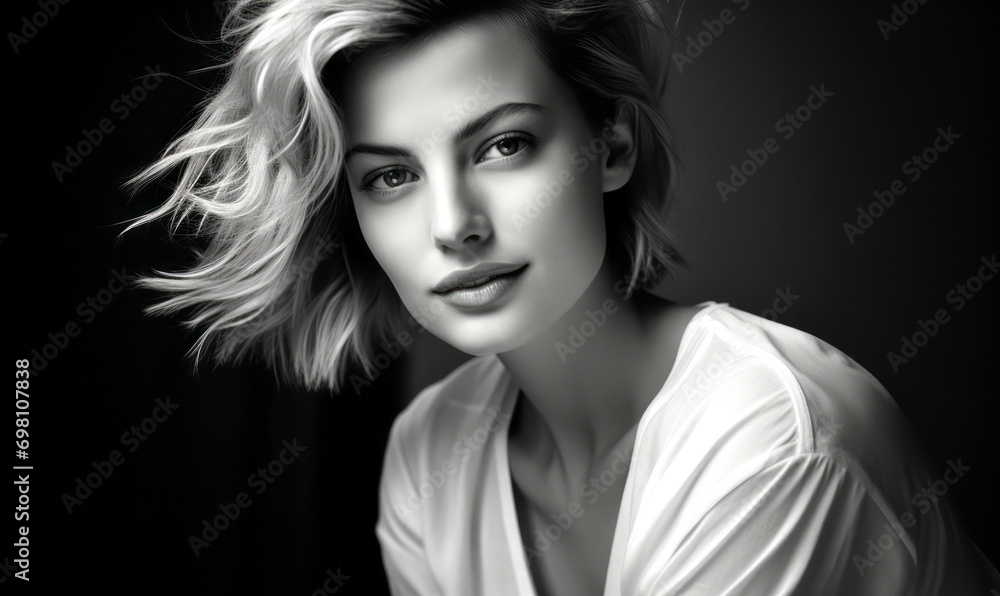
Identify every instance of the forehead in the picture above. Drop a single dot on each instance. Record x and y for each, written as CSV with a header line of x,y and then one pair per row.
x,y
450,77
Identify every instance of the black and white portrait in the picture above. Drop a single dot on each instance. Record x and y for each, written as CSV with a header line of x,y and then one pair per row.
x,y
508,297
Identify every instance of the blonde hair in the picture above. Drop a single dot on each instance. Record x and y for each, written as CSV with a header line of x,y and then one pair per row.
x,y
261,171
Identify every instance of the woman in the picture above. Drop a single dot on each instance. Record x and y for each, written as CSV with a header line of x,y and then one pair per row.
x,y
494,173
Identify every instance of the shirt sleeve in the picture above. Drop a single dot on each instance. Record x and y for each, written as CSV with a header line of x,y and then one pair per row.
x,y
804,526
399,526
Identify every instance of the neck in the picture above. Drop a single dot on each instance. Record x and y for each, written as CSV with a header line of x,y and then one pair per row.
x,y
589,377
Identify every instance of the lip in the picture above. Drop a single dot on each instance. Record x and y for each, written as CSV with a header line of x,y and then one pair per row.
x,y
478,285
479,273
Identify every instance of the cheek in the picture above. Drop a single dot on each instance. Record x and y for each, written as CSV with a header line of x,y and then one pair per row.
x,y
389,236
556,209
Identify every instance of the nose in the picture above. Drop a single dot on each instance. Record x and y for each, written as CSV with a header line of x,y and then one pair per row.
x,y
458,221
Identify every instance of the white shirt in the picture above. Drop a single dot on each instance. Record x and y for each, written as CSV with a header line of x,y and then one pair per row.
x,y
769,463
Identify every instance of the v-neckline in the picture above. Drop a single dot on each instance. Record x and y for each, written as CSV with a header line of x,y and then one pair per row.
x,y
508,508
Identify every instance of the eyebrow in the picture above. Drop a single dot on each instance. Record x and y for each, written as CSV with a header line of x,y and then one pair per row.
x,y
467,130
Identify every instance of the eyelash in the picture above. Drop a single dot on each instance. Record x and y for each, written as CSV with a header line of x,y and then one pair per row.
x,y
366,184
529,143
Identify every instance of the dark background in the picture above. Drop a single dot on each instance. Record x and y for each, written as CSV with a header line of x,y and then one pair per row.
x,y
782,230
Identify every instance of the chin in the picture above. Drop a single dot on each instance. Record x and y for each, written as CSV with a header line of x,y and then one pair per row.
x,y
481,337
504,330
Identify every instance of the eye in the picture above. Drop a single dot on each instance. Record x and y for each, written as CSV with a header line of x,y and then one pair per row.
x,y
387,178
506,145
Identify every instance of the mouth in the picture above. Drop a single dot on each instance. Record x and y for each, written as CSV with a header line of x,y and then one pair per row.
x,y
479,285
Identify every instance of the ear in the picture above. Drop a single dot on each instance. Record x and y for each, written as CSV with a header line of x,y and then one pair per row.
x,y
620,155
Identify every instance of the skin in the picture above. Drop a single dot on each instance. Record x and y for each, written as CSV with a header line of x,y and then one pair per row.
x,y
450,205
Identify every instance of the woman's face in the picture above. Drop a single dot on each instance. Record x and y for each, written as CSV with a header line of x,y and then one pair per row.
x,y
475,184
